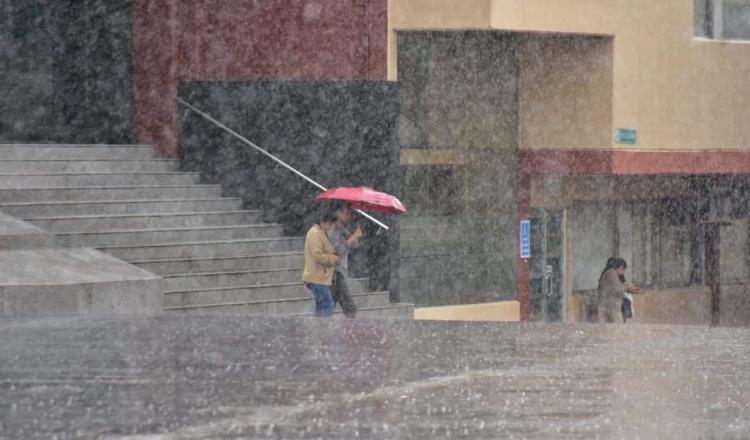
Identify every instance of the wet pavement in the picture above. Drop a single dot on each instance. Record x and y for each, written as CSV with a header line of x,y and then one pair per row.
x,y
234,377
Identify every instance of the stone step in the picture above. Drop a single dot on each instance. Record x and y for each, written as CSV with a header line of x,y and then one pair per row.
x,y
88,166
248,262
198,281
96,179
206,248
147,220
299,306
208,280
242,294
118,207
109,193
136,237
76,151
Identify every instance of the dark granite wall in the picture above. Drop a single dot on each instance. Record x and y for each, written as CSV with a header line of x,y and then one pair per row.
x,y
339,133
67,70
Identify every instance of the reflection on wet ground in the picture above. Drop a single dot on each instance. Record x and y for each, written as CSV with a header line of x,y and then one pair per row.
x,y
235,377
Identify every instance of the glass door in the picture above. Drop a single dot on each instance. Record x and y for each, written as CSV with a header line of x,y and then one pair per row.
x,y
547,265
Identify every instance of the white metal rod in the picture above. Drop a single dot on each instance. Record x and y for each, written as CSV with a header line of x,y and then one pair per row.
x,y
274,158
372,219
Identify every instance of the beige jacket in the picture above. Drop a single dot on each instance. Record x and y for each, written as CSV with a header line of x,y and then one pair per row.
x,y
320,257
611,290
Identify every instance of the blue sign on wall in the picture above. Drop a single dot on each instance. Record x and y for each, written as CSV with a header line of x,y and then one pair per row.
x,y
525,238
626,136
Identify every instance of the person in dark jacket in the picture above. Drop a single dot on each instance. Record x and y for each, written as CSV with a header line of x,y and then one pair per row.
x,y
343,241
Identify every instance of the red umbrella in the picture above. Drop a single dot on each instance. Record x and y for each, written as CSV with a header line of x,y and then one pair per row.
x,y
366,199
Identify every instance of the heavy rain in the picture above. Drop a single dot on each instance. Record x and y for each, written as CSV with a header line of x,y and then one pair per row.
x,y
374,219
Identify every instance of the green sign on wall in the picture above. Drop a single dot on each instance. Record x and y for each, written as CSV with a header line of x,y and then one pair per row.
x,y
626,136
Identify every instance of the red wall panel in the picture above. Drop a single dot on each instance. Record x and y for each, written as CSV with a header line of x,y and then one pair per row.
x,y
632,162
153,77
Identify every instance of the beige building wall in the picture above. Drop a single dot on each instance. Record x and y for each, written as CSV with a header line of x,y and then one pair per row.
x,y
679,92
497,311
565,91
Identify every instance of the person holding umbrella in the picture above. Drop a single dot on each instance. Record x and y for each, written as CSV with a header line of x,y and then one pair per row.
x,y
320,263
347,199
343,241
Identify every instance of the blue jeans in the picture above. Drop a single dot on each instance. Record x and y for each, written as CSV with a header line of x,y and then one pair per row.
x,y
323,299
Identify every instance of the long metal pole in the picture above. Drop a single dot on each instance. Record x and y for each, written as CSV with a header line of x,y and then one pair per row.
x,y
272,157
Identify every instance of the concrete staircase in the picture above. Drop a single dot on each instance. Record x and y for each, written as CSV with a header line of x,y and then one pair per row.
x,y
214,257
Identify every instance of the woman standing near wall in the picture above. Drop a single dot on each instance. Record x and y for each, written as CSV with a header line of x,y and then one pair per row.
x,y
611,290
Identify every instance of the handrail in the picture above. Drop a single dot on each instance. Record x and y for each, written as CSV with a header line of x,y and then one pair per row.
x,y
272,157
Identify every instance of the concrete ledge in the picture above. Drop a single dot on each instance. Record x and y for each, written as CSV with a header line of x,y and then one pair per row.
x,y
73,282
497,311
17,234
134,297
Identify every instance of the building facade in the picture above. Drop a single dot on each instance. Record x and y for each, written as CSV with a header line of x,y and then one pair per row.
x,y
618,128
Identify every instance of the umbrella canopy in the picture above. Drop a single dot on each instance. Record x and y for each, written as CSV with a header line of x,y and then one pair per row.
x,y
365,199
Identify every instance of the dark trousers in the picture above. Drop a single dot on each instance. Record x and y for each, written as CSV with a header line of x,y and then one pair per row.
x,y
610,315
341,295
592,312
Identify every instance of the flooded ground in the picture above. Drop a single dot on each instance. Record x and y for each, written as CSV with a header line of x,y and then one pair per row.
x,y
233,377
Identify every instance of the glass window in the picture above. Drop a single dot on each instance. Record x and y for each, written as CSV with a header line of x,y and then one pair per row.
x,y
722,19
667,245
659,239
675,258
734,252
593,242
702,18
736,19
